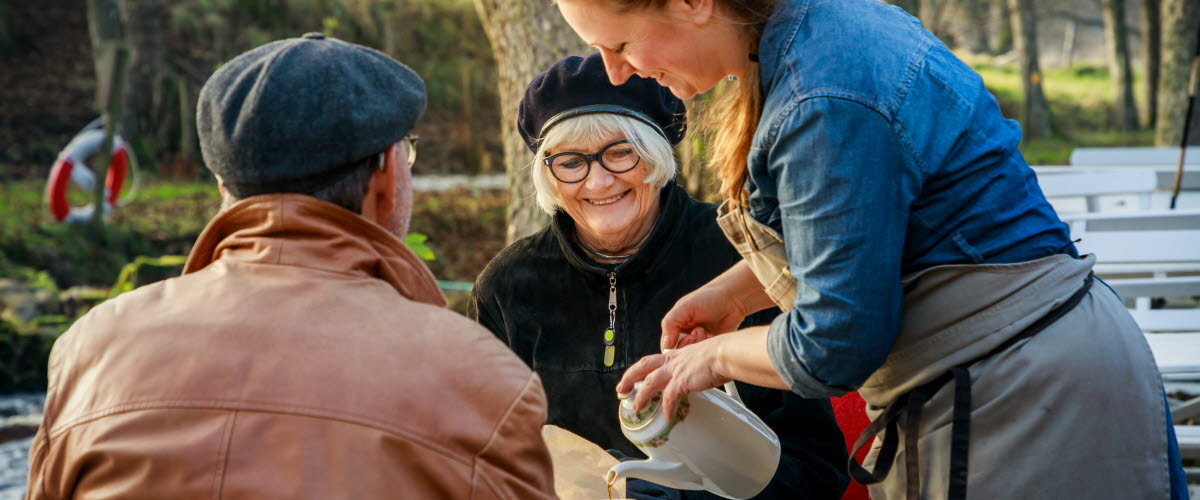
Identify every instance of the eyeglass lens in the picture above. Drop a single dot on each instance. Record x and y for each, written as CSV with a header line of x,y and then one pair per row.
x,y
618,157
410,147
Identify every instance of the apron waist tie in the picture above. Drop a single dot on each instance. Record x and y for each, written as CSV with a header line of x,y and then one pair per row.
x,y
911,403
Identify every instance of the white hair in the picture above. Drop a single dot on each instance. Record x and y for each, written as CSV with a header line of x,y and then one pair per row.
x,y
656,152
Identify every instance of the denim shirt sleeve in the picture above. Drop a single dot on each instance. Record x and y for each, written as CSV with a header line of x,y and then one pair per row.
x,y
845,182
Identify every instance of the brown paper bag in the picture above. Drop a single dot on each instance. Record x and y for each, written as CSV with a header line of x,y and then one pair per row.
x,y
579,466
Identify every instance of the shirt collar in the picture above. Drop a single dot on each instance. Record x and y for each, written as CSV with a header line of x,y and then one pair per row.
x,y
777,37
302,231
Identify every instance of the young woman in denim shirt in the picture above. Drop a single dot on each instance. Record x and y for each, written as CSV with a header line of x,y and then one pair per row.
x,y
878,197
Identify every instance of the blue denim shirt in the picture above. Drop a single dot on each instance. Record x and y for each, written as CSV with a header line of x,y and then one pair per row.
x,y
879,154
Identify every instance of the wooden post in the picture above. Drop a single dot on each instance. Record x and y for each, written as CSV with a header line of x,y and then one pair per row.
x,y
1068,48
111,56
1118,64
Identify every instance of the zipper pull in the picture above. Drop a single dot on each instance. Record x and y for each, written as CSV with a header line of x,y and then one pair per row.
x,y
610,335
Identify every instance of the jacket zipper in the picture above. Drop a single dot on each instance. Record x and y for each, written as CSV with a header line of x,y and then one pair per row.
x,y
610,335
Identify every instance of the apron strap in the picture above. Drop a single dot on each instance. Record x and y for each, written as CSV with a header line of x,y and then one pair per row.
x,y
887,453
960,433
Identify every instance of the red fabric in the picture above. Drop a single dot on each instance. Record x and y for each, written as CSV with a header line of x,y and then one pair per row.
x,y
851,413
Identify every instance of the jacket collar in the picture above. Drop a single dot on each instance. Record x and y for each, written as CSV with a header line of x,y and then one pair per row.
x,y
778,36
302,231
671,200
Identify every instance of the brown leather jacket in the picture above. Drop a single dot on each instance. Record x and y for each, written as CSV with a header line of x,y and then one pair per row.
x,y
284,364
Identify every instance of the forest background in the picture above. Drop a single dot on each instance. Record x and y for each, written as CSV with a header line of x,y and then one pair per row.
x,y
1074,72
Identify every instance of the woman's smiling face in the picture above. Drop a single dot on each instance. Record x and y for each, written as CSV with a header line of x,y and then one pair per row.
x,y
609,209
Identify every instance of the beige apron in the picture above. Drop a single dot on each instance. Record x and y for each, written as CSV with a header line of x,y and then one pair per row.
x,y
1071,410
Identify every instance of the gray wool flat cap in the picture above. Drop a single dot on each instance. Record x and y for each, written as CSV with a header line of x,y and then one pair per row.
x,y
284,117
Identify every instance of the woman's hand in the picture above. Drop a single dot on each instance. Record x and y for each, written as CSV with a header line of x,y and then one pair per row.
x,y
740,355
715,308
700,315
674,373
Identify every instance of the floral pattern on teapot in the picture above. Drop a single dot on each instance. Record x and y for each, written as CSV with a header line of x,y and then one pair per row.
x,y
634,420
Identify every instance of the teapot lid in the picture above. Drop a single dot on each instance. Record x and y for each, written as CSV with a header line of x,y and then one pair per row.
x,y
632,418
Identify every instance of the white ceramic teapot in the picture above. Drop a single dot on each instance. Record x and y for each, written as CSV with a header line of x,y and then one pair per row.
x,y
711,443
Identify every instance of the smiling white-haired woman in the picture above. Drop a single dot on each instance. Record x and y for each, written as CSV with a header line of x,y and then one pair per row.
x,y
564,180
581,300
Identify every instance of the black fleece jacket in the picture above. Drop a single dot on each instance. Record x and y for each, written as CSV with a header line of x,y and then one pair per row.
x,y
549,302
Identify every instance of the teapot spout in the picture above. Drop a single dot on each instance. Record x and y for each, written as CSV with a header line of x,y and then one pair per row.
x,y
671,474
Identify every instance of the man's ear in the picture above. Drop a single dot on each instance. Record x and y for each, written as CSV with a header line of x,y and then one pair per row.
x,y
227,200
381,190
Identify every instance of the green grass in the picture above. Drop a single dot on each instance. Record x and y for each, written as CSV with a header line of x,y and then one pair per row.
x,y
463,231
1057,150
157,219
1081,108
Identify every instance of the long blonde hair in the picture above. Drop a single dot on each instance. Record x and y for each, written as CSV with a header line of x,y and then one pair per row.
x,y
731,120
730,123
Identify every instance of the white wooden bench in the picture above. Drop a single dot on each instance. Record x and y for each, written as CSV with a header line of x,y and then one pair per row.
x,y
1073,190
1156,243
1189,440
1124,156
1141,290
1162,161
1177,354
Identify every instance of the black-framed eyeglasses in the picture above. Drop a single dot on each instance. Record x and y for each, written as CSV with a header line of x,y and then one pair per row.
x,y
410,147
571,167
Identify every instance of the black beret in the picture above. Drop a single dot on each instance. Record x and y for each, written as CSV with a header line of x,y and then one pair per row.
x,y
577,86
285,116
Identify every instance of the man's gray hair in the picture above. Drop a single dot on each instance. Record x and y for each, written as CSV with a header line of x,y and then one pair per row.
x,y
346,191
657,155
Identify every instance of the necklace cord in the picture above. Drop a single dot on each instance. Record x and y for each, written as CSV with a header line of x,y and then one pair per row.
x,y
598,254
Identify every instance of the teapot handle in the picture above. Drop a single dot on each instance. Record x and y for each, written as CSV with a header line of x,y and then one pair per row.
x,y
731,390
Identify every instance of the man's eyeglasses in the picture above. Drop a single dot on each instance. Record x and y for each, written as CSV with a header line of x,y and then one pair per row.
x,y
571,167
410,147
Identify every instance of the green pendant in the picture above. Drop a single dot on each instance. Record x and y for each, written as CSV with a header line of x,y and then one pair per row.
x,y
610,351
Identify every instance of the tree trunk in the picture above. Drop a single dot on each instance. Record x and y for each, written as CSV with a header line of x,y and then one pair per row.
x,y
1035,115
147,112
1118,63
1180,29
913,7
1151,53
1000,30
106,34
1068,51
527,36
111,57
933,14
971,18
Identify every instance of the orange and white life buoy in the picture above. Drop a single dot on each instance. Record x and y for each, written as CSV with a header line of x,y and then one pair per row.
x,y
71,167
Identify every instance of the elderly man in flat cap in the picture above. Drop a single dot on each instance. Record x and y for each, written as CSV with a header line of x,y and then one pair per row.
x,y
305,352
